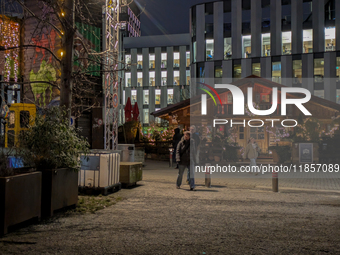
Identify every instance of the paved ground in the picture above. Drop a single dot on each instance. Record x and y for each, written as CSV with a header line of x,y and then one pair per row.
x,y
235,216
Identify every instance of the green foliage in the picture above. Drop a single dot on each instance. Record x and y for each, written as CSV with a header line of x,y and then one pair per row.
x,y
52,143
284,152
307,130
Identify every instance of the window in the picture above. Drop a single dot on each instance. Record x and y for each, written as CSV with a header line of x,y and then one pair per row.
x,y
218,71
246,46
163,60
330,39
170,96
237,71
338,69
276,72
194,49
146,115
338,96
151,61
128,62
187,56
319,93
319,70
308,41
227,48
241,133
176,77
139,79
176,59
152,78
124,97
11,118
256,69
187,77
164,78
127,79
157,96
209,44
257,133
158,120
146,97
297,71
133,96
139,61
286,43
265,45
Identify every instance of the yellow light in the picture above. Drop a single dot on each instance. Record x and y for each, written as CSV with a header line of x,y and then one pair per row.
x,y
61,53
63,14
62,32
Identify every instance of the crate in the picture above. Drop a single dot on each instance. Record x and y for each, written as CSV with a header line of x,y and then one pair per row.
x,y
130,173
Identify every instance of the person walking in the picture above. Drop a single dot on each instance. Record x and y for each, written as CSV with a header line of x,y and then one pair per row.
x,y
185,157
196,137
175,140
251,152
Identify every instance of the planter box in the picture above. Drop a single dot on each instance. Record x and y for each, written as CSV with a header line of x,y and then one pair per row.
x,y
59,190
20,199
140,154
130,172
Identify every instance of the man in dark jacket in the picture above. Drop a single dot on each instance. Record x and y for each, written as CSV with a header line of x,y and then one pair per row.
x,y
185,156
175,140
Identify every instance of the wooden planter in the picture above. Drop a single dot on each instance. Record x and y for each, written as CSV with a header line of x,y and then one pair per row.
x,y
59,190
20,199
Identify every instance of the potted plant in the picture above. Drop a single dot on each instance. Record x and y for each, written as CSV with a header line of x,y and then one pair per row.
x,y
20,193
53,147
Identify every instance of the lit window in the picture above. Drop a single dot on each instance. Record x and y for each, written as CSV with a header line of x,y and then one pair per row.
x,y
127,79
194,49
319,70
124,97
227,48
237,71
176,77
163,60
164,78
276,72
128,62
319,93
218,71
170,96
256,69
139,61
187,54
330,39
246,46
158,120
308,41
139,79
151,61
176,59
152,78
265,45
146,97
338,96
133,96
297,71
146,115
157,96
209,44
286,43
187,77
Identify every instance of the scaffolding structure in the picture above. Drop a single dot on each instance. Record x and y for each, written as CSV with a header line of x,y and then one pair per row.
x,y
110,77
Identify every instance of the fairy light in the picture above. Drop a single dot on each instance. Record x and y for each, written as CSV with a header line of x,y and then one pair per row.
x,y
10,38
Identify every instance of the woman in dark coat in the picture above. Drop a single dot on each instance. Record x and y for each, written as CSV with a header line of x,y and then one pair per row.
x,y
175,140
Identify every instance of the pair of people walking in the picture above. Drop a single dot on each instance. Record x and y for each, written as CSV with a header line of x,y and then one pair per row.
x,y
186,158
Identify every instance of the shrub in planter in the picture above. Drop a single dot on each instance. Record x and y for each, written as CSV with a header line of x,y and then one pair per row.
x,y
283,153
53,147
20,194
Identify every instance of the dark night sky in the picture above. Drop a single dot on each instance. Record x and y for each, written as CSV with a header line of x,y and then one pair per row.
x,y
166,16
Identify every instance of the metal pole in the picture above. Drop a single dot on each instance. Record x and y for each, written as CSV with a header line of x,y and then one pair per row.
x,y
275,181
171,153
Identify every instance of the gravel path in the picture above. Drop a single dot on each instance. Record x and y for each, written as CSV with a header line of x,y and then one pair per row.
x,y
156,218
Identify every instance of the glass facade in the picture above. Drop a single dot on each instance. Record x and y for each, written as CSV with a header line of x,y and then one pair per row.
x,y
218,71
256,69
139,61
330,39
194,49
164,78
308,41
152,78
187,56
151,61
319,70
338,96
170,96
157,96
133,96
265,45
237,72
227,48
286,43
319,93
209,45
176,78
146,97
187,77
146,115
297,71
127,79
176,59
276,72
128,62
139,79
163,60
246,46
338,69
